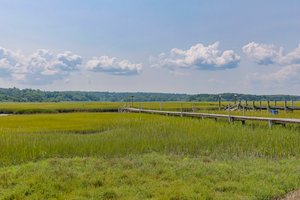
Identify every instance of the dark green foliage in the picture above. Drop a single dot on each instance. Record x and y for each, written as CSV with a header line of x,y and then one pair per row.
x,y
30,95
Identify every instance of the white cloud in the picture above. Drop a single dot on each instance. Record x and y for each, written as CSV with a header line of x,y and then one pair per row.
x,y
265,54
292,57
288,73
199,57
42,67
10,62
113,66
262,54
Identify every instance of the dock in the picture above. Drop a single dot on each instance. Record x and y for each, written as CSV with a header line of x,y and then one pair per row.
x,y
231,118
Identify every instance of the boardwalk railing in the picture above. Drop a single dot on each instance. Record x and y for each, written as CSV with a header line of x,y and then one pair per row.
x,y
230,118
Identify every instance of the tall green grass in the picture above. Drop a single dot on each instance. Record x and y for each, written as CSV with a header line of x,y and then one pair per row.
x,y
34,137
67,107
149,176
61,107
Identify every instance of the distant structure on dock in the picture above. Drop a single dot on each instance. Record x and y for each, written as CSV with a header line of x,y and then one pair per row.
x,y
258,105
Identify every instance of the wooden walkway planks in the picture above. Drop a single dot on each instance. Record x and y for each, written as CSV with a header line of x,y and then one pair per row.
x,y
231,118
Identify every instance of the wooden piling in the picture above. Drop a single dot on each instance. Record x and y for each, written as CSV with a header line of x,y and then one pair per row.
x,y
260,105
285,108
270,123
181,109
230,118
219,102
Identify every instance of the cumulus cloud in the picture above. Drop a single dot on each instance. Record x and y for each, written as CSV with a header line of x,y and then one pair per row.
x,y
265,54
262,54
199,57
10,62
113,66
42,67
45,67
292,57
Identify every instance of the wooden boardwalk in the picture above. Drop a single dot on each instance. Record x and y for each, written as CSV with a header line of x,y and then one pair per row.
x,y
230,118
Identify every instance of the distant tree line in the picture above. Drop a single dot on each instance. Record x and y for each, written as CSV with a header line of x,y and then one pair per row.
x,y
243,97
31,95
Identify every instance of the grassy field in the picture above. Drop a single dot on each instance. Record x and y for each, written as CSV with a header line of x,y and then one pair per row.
x,y
61,107
67,107
139,156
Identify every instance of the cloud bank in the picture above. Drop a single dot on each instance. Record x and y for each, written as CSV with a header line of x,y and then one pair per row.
x,y
199,57
44,67
113,66
289,73
264,54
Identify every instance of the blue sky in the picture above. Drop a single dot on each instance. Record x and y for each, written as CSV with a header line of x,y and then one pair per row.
x,y
151,45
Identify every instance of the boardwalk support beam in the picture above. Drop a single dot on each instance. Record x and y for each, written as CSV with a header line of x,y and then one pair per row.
x,y
270,123
230,118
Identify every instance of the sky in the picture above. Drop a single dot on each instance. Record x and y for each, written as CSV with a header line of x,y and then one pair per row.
x,y
189,46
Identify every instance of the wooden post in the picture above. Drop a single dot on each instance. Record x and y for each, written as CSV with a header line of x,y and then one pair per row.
x,y
132,101
140,107
193,107
235,99
243,110
253,105
228,108
275,102
292,104
181,109
219,102
285,108
270,123
268,105
260,105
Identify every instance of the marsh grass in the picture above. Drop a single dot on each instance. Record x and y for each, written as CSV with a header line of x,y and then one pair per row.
x,y
60,107
142,156
149,176
34,137
69,107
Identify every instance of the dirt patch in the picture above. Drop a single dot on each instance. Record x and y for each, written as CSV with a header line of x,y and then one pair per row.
x,y
295,195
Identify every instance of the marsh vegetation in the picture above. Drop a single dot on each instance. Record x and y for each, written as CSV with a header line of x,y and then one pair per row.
x,y
86,155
